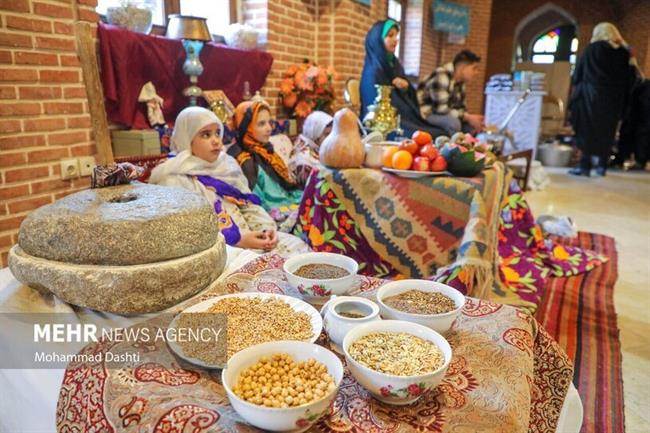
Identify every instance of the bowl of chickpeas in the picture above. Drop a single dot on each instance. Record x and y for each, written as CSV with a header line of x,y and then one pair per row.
x,y
282,385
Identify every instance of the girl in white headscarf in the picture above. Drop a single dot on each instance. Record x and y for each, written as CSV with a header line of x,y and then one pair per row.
x,y
304,156
201,165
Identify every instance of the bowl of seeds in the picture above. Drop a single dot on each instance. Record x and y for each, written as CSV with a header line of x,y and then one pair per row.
x,y
317,276
252,318
282,385
428,303
395,360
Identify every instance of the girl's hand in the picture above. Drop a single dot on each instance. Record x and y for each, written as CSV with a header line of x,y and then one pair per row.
x,y
271,239
256,241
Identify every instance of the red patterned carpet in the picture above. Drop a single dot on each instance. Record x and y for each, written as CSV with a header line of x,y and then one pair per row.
x,y
579,313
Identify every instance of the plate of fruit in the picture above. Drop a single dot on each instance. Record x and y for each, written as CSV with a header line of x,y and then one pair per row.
x,y
466,155
415,157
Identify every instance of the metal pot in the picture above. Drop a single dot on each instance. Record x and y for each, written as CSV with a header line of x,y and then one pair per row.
x,y
554,154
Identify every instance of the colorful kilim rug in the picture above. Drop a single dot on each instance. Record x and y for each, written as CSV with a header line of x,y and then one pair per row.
x,y
578,312
440,228
420,227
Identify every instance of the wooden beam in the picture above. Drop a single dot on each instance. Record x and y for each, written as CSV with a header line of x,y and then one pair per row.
x,y
86,47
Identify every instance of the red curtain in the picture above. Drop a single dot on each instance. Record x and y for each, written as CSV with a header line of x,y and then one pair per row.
x,y
129,60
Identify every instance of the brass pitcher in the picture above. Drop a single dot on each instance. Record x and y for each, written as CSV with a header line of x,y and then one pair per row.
x,y
382,116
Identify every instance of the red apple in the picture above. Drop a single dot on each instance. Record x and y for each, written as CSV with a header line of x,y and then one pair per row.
x,y
421,163
410,146
422,138
429,150
439,164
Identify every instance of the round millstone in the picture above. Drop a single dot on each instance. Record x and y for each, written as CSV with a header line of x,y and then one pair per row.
x,y
131,289
121,225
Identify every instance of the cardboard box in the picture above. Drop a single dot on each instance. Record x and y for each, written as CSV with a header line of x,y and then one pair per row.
x,y
135,142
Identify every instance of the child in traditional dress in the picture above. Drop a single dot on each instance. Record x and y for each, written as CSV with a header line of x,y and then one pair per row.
x,y
201,165
304,156
267,174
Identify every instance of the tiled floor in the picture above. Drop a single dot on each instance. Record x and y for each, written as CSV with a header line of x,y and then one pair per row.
x,y
619,206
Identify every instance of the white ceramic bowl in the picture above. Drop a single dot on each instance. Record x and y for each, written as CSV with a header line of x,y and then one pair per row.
x,y
319,291
278,419
438,322
296,304
337,325
391,389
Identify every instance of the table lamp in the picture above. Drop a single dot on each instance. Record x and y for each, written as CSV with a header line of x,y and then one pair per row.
x,y
193,31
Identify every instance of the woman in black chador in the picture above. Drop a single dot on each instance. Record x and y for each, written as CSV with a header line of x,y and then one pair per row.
x,y
382,67
602,83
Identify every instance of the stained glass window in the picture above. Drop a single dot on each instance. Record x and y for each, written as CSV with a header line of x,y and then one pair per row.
x,y
547,43
543,58
548,47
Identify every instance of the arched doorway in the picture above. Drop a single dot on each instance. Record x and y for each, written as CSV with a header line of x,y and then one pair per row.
x,y
544,21
546,42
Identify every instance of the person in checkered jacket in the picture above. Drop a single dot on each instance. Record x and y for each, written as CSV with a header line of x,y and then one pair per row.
x,y
442,95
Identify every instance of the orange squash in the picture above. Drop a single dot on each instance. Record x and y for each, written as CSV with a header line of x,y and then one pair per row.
x,y
342,148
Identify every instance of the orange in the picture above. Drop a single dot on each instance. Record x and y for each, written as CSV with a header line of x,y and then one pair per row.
x,y
388,156
402,160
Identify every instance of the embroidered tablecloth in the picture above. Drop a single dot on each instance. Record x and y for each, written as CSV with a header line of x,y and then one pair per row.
x,y
506,375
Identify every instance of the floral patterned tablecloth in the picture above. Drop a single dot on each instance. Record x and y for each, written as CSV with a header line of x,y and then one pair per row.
x,y
507,375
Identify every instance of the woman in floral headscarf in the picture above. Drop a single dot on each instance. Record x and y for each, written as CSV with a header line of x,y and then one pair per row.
x,y
267,174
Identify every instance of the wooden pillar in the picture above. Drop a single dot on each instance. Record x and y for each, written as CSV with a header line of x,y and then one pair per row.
x,y
89,66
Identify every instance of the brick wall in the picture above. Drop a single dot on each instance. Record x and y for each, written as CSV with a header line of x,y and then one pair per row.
x,y
43,107
44,110
506,14
436,49
635,29
295,30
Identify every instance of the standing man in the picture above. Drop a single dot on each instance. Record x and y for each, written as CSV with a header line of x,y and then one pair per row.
x,y
442,95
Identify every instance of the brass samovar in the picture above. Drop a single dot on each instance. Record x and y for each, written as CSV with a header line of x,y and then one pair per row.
x,y
382,116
